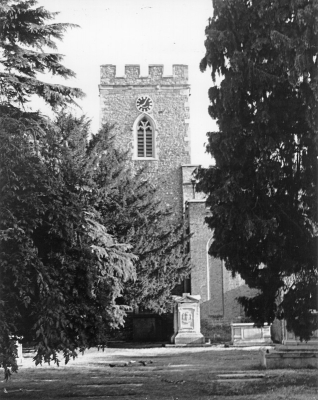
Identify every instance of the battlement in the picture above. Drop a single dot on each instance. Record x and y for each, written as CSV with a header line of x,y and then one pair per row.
x,y
132,75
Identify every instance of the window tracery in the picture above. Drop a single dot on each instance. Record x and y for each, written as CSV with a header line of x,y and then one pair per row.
x,y
145,139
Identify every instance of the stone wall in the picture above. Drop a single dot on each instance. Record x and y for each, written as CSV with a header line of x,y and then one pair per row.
x,y
195,214
188,183
170,115
209,277
216,329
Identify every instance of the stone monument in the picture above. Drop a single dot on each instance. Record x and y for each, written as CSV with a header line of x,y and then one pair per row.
x,y
247,334
292,353
186,321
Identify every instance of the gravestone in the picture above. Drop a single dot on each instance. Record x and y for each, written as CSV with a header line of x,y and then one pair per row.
x,y
247,334
294,356
292,353
186,320
289,338
20,355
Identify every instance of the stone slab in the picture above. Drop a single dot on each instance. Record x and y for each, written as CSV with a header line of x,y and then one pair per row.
x,y
297,347
289,359
239,376
237,379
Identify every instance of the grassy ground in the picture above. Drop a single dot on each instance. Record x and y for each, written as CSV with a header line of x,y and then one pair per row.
x,y
161,373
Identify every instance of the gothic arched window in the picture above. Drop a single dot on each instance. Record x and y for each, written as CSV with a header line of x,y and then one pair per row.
x,y
145,139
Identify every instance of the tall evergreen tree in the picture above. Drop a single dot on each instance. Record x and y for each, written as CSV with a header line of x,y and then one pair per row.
x,y
60,270
25,41
262,190
131,209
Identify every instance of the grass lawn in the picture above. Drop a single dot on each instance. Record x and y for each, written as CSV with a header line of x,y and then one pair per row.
x,y
161,373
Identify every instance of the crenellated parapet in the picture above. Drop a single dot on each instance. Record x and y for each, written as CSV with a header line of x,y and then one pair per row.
x,y
168,119
155,75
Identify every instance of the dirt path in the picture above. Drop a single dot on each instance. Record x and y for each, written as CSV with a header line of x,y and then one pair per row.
x,y
161,373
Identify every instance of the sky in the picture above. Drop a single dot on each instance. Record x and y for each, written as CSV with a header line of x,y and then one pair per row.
x,y
137,32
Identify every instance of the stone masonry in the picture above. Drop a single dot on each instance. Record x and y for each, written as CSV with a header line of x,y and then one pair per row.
x,y
209,277
170,116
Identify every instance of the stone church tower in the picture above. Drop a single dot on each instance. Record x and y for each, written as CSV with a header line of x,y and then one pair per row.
x,y
151,118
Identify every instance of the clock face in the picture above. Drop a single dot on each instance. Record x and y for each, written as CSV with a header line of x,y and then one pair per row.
x,y
144,104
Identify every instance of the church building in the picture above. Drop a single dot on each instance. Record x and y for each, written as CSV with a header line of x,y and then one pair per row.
x,y
151,117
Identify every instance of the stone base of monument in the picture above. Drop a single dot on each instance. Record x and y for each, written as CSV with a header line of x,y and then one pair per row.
x,y
300,356
188,338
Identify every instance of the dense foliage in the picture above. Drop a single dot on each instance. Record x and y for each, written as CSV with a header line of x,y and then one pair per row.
x,y
76,222
263,188
60,270
130,207
25,41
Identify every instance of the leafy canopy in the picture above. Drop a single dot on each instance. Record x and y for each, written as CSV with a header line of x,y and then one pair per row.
x,y
262,190
130,207
60,269
72,212
25,43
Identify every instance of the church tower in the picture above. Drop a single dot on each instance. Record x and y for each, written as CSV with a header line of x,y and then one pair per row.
x,y
151,118
150,115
